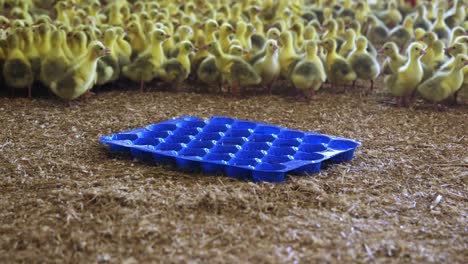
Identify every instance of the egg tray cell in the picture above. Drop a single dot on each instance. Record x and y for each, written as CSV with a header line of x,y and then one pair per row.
x,y
237,148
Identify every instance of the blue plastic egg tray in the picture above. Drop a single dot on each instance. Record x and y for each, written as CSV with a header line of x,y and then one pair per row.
x,y
237,148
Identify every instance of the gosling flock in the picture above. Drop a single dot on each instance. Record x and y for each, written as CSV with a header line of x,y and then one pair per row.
x,y
72,46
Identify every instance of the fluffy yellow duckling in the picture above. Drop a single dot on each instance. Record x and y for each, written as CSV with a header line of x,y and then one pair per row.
x,y
208,73
62,16
177,70
148,26
462,39
364,64
241,29
362,12
237,50
402,35
94,12
440,28
225,31
234,70
438,57
429,39
268,67
327,14
268,9
92,33
210,28
115,17
122,47
137,38
394,60
18,13
81,76
419,34
309,74
349,43
236,14
346,10
108,69
406,7
316,25
444,84
454,50
457,15
377,32
287,56
391,17
169,44
56,63
337,68
17,71
273,33
341,26
298,35
249,32
431,12
30,51
4,22
44,32
406,80
145,67
357,29
64,45
254,13
78,44
183,33
456,32
310,33
332,32
421,20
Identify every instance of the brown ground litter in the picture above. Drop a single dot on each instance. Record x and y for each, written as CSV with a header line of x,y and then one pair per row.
x,y
65,197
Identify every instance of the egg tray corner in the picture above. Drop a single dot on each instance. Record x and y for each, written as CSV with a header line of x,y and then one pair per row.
x,y
237,148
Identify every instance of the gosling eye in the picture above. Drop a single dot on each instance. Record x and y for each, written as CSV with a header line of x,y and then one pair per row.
x,y
416,48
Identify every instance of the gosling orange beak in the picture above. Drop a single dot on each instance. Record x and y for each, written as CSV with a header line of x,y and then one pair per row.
x,y
422,52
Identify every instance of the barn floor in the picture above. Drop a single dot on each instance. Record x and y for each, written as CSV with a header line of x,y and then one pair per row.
x,y
66,198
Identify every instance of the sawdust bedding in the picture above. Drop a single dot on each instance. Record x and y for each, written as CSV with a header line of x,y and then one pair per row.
x,y
66,198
